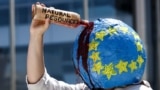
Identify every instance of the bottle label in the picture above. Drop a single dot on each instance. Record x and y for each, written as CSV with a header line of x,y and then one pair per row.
x,y
57,16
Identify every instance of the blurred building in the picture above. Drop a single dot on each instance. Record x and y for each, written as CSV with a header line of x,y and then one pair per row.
x,y
142,15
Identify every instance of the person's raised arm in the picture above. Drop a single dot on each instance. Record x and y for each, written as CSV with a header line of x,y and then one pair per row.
x,y
35,59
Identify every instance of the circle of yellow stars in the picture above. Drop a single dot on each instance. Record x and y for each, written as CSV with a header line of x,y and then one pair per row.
x,y
122,66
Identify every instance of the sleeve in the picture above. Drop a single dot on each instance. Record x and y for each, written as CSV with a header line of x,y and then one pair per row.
x,y
49,83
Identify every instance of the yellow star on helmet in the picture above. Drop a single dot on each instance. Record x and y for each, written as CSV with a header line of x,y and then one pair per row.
x,y
136,37
95,56
93,45
124,29
109,71
100,35
139,46
97,67
112,31
132,66
140,60
122,66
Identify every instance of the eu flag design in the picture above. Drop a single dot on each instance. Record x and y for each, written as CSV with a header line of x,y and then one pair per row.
x,y
113,56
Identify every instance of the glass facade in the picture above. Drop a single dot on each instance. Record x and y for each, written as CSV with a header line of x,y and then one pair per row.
x,y
58,55
97,9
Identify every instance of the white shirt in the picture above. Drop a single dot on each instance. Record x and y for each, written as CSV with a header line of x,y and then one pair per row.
x,y
49,83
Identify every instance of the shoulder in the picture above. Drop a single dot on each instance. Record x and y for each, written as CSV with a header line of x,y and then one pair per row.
x,y
138,87
144,85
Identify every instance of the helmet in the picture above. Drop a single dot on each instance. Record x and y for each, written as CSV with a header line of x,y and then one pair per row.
x,y
108,53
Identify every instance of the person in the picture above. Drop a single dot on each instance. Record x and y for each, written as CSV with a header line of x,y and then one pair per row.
x,y
37,77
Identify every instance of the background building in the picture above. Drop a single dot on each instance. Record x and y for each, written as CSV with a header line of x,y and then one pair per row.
x,y
142,15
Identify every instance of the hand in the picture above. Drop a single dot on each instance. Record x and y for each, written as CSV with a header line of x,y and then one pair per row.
x,y
37,26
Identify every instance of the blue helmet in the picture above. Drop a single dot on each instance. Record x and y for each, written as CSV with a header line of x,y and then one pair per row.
x,y
109,53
